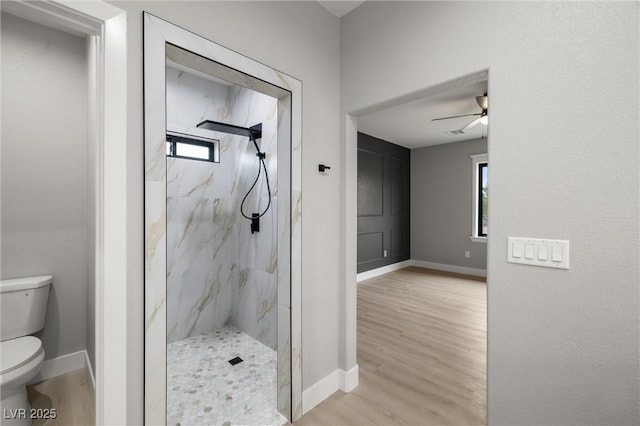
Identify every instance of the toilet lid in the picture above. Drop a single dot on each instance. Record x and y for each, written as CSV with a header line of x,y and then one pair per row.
x,y
17,352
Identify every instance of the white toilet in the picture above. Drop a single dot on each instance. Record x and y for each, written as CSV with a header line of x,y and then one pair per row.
x,y
23,304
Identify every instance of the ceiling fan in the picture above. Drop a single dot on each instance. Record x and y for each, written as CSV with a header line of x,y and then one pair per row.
x,y
483,102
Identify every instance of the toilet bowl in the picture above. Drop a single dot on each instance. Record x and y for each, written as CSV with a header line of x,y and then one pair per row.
x,y
23,303
21,360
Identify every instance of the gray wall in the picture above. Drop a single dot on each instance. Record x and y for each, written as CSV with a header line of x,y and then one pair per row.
x,y
45,174
563,80
302,40
383,203
559,52
441,204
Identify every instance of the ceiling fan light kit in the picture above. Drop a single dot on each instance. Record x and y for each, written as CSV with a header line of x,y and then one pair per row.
x,y
483,102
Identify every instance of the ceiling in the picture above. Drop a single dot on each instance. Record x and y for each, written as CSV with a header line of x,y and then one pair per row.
x,y
340,8
410,124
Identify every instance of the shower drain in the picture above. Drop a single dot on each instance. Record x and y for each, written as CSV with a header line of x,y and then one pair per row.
x,y
236,360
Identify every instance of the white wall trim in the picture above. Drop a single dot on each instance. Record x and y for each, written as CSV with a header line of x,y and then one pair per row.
x,y
348,244
478,239
54,14
61,365
382,270
349,379
449,268
111,262
476,272
342,380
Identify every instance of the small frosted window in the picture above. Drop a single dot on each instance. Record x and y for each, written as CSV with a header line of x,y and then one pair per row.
x,y
192,151
193,148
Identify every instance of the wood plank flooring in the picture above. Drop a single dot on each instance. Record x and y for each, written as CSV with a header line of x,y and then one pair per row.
x,y
421,353
70,394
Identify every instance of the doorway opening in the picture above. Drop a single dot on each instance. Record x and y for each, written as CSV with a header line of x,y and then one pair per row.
x,y
103,28
434,253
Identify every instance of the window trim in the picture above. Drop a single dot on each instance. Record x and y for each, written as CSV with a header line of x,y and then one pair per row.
x,y
479,212
477,160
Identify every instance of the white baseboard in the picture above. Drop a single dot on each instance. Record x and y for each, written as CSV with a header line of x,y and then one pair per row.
x,y
422,264
62,365
449,268
342,380
349,379
382,270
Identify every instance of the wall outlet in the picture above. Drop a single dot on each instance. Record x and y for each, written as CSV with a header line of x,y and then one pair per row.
x,y
467,254
384,253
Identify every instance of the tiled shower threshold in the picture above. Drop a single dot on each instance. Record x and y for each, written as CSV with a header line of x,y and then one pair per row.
x,y
205,389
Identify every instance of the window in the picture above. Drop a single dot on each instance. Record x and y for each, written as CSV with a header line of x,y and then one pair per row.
x,y
480,223
193,147
482,200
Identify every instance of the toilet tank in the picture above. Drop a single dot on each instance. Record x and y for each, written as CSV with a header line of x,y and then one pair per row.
x,y
23,305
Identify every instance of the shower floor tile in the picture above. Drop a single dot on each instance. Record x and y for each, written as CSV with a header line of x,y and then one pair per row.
x,y
204,389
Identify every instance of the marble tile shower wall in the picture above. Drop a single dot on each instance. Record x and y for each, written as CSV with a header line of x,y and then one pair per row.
x,y
218,273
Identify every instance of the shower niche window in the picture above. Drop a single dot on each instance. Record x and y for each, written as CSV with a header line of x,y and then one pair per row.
x,y
222,269
193,148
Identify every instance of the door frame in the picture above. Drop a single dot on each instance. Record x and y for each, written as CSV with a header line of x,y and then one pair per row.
x,y
349,196
104,26
244,71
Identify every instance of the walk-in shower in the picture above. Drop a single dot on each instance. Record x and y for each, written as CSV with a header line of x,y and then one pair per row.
x,y
222,304
222,288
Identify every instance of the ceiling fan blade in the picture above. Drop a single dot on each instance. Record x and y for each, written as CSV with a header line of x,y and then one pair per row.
x,y
455,116
470,125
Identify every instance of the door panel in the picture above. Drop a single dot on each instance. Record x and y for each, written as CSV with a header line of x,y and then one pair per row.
x,y
370,183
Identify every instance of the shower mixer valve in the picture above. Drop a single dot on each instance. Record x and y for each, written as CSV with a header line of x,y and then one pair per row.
x,y
255,222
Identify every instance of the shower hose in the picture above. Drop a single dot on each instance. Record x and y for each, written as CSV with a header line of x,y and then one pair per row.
x,y
261,165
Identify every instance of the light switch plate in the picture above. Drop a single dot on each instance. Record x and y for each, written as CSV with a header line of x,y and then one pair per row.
x,y
538,252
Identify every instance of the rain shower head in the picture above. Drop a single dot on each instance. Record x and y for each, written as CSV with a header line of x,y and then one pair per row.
x,y
254,132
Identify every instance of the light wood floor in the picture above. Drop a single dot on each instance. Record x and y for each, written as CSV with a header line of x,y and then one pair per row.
x,y
421,353
70,394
